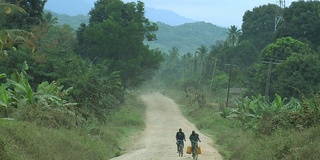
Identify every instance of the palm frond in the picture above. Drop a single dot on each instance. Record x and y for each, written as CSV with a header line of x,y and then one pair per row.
x,y
7,8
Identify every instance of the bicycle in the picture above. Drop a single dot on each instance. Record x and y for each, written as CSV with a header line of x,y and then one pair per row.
x,y
195,150
180,147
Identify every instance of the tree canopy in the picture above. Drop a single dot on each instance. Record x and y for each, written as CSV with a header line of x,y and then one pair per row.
x,y
116,32
301,20
258,25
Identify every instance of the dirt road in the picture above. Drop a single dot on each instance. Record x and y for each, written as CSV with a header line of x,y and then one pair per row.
x,y
157,141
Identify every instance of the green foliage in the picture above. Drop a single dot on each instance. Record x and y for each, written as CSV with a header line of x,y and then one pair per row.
x,y
98,92
295,70
244,55
302,27
292,62
258,25
283,48
4,100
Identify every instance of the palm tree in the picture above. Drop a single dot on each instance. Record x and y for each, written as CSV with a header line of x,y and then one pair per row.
x,y
202,52
233,35
50,20
187,64
173,57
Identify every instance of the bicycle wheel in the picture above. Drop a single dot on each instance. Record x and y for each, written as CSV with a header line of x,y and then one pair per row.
x,y
195,153
180,150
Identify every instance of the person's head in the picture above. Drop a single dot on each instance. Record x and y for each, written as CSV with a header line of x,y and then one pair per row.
x,y
180,130
193,132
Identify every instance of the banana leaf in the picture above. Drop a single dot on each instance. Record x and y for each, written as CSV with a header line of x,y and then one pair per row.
x,y
3,75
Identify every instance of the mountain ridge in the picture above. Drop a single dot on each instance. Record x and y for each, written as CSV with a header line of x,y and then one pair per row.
x,y
187,37
83,7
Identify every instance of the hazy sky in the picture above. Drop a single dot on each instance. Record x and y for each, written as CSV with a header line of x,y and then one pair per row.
x,y
220,12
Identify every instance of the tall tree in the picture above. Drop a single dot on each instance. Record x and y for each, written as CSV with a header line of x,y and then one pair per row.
x,y
173,57
258,25
233,35
116,32
186,61
202,52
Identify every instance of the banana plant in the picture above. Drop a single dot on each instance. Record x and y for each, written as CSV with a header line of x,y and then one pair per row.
x,y
17,88
3,75
11,37
4,101
52,94
21,86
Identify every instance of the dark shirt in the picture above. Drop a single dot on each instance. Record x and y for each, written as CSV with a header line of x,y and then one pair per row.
x,y
194,137
180,136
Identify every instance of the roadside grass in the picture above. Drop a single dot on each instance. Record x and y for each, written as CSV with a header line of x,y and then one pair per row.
x,y
235,143
27,141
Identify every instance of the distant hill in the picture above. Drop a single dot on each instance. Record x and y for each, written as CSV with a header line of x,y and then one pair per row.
x,y
69,7
187,37
82,7
73,21
166,16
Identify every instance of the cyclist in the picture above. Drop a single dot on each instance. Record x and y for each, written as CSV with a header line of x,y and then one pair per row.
x,y
194,138
180,137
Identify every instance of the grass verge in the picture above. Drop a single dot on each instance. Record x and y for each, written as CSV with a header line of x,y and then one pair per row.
x,y
28,141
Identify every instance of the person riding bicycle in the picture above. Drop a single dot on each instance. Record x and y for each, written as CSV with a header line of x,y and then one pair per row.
x,y
194,138
180,137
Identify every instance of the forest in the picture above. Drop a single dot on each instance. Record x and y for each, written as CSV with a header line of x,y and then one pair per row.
x,y
262,81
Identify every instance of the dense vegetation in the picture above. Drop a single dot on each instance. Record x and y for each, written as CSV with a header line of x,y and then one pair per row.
x,y
256,90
